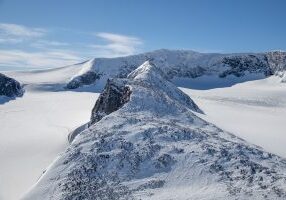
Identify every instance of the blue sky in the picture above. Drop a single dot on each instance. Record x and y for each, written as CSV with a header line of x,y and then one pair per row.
x,y
54,33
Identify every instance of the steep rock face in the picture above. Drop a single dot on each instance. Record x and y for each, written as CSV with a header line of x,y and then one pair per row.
x,y
114,96
152,145
10,87
187,64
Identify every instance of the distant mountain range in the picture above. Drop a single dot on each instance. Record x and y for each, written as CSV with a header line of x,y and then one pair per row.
x,y
183,64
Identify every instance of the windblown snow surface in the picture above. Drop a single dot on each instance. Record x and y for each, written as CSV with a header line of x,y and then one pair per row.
x,y
154,146
34,127
253,110
158,144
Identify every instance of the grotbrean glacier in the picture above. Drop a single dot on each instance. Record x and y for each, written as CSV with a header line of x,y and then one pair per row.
x,y
167,124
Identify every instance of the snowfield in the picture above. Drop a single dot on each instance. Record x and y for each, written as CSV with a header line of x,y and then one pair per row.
x,y
34,128
252,110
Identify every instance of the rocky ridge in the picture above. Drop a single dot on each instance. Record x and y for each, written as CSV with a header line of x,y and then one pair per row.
x,y
145,141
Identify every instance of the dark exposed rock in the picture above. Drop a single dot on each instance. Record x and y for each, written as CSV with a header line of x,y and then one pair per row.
x,y
276,61
10,87
111,99
183,71
87,78
246,63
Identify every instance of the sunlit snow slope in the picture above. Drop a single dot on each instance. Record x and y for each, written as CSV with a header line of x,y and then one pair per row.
x,y
34,128
253,110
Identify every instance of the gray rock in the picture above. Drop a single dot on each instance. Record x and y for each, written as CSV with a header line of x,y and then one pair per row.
x,y
111,99
87,78
276,61
9,87
239,65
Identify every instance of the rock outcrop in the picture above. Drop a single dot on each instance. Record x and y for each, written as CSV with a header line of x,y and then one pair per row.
x,y
277,63
239,65
9,87
113,97
87,78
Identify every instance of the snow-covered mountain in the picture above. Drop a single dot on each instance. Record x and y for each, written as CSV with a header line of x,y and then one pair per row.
x,y
9,87
146,141
182,64
250,106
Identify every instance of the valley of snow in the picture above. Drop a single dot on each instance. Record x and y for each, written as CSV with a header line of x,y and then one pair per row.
x,y
34,128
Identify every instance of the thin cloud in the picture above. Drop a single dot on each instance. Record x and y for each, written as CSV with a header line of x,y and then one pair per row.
x,y
116,45
45,59
120,39
38,53
31,47
10,40
48,43
15,30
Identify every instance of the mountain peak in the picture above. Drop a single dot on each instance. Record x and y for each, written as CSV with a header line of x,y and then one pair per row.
x,y
143,84
147,69
151,76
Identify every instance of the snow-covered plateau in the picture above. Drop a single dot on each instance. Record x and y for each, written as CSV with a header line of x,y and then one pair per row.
x,y
168,124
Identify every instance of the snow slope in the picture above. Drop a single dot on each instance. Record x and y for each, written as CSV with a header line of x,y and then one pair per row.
x,y
253,110
152,145
34,127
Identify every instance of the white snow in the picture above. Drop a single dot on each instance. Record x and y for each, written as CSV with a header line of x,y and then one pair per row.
x,y
34,128
253,110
